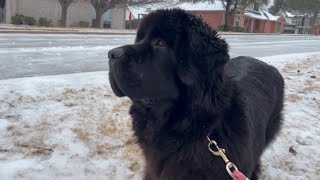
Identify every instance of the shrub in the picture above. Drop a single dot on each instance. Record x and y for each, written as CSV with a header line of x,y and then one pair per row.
x,y
17,19
80,24
30,20
45,22
240,29
233,28
84,24
221,28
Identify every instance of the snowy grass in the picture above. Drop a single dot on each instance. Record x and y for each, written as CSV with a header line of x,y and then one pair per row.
x,y
72,127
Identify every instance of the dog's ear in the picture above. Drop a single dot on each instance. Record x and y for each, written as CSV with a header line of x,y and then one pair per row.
x,y
203,53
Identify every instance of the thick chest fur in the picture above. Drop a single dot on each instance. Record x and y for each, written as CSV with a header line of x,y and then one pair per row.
x,y
178,149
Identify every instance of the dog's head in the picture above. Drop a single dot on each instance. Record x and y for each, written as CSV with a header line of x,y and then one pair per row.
x,y
174,52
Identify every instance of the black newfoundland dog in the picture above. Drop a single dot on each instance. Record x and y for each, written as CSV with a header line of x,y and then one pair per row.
x,y
184,87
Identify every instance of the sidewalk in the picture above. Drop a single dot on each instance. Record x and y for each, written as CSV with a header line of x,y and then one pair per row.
x,y
9,28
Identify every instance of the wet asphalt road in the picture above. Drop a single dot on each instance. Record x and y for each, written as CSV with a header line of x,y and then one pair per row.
x,y
27,55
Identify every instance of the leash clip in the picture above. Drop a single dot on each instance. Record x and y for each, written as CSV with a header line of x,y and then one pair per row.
x,y
230,166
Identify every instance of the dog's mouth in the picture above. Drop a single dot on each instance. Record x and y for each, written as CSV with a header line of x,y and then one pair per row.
x,y
152,101
149,101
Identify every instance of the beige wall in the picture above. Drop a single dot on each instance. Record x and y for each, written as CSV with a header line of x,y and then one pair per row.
x,y
51,9
11,8
80,12
118,18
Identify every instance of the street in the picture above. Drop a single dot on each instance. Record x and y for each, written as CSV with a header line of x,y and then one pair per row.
x,y
27,55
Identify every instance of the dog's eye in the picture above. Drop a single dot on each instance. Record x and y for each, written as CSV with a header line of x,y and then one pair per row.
x,y
160,43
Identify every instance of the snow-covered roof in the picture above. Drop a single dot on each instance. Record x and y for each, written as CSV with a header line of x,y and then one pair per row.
x,y
202,6
261,15
256,15
270,16
289,15
136,10
199,6
146,9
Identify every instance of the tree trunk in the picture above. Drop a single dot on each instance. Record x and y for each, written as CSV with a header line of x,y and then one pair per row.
x,y
98,23
64,16
227,15
235,7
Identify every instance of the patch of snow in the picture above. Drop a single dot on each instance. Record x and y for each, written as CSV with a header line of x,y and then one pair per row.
x,y
270,16
73,127
3,125
289,15
256,15
198,6
295,155
56,49
202,6
10,170
138,10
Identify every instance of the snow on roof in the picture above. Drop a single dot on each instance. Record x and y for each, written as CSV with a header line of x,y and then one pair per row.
x,y
146,9
202,6
256,15
199,6
136,10
270,16
289,15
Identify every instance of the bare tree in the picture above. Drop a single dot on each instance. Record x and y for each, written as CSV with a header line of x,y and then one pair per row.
x,y
64,10
102,6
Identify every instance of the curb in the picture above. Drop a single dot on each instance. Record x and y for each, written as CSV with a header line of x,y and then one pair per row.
x,y
63,32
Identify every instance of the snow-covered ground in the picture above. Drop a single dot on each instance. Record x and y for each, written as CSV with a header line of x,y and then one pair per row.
x,y
72,127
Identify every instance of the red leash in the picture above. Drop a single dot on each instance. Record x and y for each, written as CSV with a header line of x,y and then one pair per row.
x,y
230,167
237,175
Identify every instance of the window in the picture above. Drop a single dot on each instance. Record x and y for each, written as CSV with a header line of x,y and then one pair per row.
x,y
238,17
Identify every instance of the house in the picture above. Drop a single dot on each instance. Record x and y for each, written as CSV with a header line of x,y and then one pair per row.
x,y
50,9
259,20
289,26
213,13
299,23
128,17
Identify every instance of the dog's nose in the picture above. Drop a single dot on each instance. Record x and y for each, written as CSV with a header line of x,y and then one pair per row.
x,y
116,53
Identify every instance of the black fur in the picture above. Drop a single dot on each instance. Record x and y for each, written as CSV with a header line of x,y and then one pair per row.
x,y
188,88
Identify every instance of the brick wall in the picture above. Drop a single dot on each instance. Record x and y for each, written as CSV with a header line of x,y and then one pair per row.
x,y
268,27
51,9
274,27
214,19
315,30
